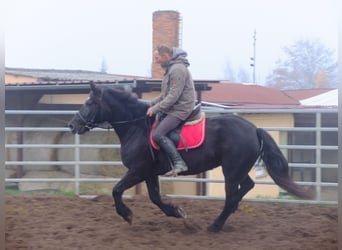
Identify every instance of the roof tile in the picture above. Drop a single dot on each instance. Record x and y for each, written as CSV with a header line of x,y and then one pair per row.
x,y
301,94
230,93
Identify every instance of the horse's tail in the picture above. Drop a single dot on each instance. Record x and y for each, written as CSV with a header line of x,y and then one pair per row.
x,y
278,168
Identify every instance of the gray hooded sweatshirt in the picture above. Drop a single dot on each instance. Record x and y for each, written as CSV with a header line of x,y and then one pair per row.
x,y
177,95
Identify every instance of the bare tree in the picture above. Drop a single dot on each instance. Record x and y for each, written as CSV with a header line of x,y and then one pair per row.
x,y
243,75
230,74
308,64
104,67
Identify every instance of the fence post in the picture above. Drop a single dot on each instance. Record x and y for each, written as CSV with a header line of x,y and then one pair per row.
x,y
77,164
318,155
2,138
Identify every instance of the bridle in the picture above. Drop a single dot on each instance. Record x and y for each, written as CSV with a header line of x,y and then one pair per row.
x,y
90,124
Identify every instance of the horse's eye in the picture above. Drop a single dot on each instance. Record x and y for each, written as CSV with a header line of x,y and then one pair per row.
x,y
89,102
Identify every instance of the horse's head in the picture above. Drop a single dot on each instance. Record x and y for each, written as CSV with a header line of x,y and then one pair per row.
x,y
90,114
114,106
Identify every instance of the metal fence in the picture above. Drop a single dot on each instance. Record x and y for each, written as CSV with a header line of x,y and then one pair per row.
x,y
77,146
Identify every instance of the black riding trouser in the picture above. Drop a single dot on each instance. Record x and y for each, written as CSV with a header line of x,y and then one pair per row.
x,y
165,126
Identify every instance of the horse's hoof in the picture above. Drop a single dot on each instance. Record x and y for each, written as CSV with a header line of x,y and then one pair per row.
x,y
181,213
129,219
214,228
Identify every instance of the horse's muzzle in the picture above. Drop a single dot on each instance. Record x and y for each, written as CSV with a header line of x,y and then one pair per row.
x,y
72,128
77,127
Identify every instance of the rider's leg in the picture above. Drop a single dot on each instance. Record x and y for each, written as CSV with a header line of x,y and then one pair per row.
x,y
159,135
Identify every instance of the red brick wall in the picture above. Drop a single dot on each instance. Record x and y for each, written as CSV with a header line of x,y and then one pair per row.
x,y
165,31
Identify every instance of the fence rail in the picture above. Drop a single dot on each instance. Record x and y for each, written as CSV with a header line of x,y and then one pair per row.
x,y
77,163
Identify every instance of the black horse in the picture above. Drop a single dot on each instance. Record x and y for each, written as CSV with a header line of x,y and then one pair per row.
x,y
231,142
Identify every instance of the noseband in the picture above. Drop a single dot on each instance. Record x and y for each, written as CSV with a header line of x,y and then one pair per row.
x,y
89,124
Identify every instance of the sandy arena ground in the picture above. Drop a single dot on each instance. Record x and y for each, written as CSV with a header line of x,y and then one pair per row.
x,y
67,222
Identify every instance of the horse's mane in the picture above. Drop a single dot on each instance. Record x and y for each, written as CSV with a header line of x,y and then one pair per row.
x,y
126,99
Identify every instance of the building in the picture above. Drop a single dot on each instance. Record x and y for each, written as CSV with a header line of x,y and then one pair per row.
x,y
41,89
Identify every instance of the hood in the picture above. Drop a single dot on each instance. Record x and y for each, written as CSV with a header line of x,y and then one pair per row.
x,y
178,52
179,56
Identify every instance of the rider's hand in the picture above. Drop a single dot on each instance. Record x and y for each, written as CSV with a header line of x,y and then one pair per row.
x,y
149,111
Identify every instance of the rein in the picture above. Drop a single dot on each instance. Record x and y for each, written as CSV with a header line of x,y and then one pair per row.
x,y
130,121
90,124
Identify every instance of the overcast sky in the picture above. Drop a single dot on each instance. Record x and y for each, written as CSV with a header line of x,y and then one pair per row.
x,y
78,34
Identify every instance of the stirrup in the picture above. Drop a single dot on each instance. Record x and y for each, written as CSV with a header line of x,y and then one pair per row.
x,y
175,171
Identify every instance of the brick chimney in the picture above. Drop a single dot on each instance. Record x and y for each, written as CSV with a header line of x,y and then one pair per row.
x,y
165,31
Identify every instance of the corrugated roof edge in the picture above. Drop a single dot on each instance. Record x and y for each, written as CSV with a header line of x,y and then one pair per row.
x,y
66,74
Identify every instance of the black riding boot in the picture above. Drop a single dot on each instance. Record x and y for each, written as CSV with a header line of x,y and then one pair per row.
x,y
169,148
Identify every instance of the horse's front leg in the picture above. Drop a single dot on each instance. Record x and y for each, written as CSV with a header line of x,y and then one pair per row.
x,y
152,183
130,179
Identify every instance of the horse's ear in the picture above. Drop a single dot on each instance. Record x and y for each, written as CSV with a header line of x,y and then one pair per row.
x,y
96,91
93,87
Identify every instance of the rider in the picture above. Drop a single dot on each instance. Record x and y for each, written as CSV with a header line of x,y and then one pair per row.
x,y
175,102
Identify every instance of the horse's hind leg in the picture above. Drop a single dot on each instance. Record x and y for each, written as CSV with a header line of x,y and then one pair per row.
x,y
246,185
234,195
152,183
229,207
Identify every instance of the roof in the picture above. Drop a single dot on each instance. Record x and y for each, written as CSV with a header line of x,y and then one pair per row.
x,y
56,81
232,94
300,94
327,99
68,75
141,85
251,95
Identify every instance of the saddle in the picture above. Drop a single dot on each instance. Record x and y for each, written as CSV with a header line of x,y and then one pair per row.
x,y
189,134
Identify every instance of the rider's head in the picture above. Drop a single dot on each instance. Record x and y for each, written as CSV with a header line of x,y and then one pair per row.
x,y
162,55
